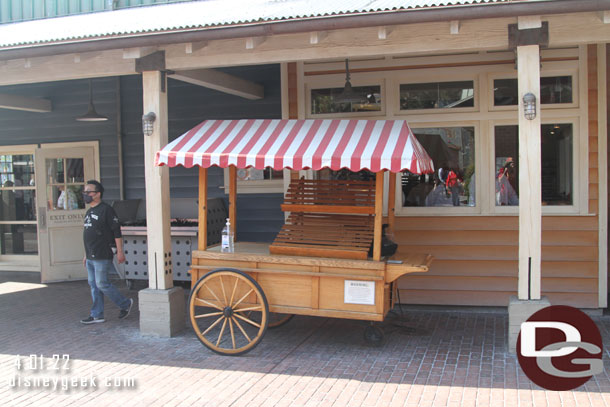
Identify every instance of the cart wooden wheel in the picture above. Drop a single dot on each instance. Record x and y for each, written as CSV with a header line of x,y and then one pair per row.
x,y
275,319
218,305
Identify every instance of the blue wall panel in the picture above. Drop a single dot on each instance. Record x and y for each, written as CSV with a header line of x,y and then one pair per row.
x,y
70,99
259,214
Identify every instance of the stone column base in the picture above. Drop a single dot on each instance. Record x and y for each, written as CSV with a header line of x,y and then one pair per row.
x,y
518,312
162,312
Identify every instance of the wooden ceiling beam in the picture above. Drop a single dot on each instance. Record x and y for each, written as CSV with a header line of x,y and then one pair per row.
x,y
18,102
222,82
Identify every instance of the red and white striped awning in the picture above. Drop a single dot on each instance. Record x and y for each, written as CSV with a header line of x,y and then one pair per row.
x,y
298,145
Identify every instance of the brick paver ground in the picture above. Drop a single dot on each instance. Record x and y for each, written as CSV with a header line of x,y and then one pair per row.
x,y
431,357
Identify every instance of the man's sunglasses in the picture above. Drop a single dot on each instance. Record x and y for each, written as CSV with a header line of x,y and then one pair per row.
x,y
90,192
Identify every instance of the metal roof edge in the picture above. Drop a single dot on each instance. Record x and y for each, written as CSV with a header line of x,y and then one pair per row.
x,y
301,25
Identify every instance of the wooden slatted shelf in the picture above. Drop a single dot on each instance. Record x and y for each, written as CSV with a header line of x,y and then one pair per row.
x,y
324,196
328,219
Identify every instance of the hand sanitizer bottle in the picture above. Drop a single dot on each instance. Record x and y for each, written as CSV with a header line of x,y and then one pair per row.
x,y
227,238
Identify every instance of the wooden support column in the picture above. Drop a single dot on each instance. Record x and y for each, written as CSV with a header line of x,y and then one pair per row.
x,y
157,185
233,199
378,216
530,220
391,203
202,240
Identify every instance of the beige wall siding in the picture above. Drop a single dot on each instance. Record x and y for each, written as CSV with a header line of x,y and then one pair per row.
x,y
476,260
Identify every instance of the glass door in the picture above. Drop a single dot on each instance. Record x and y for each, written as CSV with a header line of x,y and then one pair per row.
x,y
18,230
60,181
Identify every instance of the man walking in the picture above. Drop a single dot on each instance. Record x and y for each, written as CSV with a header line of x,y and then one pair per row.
x,y
102,232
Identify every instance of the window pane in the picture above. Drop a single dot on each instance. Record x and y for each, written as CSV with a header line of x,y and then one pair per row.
x,y
553,89
64,197
557,165
437,95
325,100
17,169
507,164
55,170
453,183
18,239
252,174
17,204
74,170
505,92
345,174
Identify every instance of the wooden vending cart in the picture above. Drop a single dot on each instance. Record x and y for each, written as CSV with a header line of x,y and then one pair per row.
x,y
319,263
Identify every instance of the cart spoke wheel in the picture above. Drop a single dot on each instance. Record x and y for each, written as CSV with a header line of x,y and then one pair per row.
x,y
276,319
221,306
209,314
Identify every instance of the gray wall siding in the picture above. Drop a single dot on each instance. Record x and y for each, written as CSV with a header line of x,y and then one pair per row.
x,y
70,99
188,106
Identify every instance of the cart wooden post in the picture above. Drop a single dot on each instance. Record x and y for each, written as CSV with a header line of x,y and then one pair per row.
x,y
233,199
391,202
202,241
378,216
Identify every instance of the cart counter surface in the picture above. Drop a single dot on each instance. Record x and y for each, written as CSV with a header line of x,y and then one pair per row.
x,y
388,270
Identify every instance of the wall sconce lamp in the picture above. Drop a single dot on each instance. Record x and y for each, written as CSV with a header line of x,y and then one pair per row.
x,y
148,121
529,106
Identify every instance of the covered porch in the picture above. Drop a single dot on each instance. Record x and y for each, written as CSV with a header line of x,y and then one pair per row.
x,y
485,252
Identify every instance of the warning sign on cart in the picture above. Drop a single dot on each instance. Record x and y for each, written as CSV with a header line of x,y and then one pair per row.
x,y
359,292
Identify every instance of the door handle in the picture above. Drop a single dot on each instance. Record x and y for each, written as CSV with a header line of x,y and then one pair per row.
x,y
42,217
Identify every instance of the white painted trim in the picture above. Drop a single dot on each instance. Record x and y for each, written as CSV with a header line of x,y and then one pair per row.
x,y
584,130
602,165
20,149
96,151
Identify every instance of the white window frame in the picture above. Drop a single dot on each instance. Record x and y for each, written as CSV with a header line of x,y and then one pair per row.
x,y
573,72
484,116
446,210
577,159
23,262
427,78
335,83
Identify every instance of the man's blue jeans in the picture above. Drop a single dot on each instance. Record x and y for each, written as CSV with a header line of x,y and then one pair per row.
x,y
97,271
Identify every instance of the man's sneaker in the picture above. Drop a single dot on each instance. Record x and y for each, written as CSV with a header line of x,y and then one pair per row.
x,y
92,320
125,312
